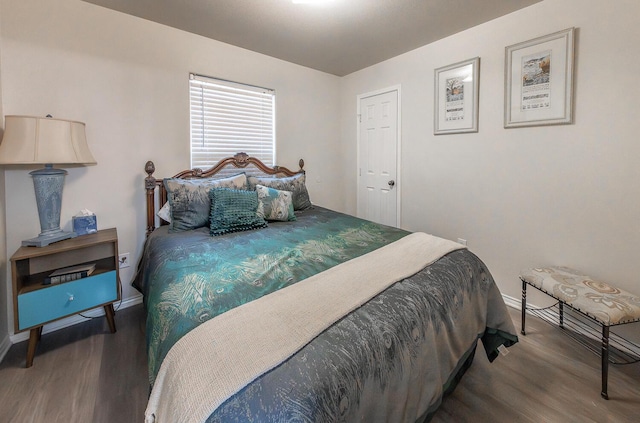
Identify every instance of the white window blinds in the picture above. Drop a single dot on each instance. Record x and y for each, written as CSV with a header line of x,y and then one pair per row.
x,y
228,118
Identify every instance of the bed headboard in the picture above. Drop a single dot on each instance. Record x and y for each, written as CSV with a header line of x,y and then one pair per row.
x,y
238,161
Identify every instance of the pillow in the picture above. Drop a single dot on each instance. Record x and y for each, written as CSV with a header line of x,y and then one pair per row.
x,y
295,184
274,204
234,210
190,202
165,212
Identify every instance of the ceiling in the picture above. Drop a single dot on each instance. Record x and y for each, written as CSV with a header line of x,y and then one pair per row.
x,y
339,38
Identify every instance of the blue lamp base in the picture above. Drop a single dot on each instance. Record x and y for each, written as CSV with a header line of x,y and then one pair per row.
x,y
48,183
44,240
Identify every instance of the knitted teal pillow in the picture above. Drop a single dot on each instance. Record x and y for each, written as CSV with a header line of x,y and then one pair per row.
x,y
233,211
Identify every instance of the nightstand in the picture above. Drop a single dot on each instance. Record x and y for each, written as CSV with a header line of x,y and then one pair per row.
x,y
35,304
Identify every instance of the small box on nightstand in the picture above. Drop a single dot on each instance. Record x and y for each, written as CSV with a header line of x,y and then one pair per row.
x,y
83,225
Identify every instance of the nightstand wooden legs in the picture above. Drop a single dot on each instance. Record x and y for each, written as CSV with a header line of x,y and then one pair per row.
x,y
34,337
108,311
36,333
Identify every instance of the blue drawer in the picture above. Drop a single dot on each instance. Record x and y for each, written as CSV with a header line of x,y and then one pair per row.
x,y
56,301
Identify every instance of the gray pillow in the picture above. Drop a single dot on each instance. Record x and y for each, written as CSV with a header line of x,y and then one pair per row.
x,y
295,184
190,202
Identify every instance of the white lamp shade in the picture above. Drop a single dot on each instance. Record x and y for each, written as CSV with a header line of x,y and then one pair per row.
x,y
39,140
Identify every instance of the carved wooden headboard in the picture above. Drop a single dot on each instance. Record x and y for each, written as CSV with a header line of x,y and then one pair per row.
x,y
239,161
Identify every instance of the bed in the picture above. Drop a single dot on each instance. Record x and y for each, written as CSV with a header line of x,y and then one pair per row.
x,y
303,314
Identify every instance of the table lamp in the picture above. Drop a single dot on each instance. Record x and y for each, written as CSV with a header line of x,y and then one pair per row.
x,y
30,140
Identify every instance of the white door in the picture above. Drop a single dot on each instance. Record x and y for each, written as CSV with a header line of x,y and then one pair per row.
x,y
377,158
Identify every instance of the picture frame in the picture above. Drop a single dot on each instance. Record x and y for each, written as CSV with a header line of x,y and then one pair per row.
x,y
539,81
457,89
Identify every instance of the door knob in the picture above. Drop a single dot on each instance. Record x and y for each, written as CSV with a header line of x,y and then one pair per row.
x,y
391,183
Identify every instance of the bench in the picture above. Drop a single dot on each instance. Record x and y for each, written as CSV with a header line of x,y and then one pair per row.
x,y
598,306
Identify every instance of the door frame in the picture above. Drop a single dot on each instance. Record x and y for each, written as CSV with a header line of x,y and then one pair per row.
x,y
398,185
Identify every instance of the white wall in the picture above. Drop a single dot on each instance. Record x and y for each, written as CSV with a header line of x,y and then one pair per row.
x,y
127,79
4,334
554,195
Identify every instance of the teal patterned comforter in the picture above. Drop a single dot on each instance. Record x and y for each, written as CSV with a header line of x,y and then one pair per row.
x,y
190,277
392,359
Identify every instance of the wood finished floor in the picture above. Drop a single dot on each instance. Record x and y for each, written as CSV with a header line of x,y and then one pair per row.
x,y
86,374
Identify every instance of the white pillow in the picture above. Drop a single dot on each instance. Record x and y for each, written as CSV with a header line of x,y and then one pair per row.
x,y
165,212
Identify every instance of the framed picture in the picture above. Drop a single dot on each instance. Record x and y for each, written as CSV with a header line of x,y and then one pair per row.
x,y
456,97
539,81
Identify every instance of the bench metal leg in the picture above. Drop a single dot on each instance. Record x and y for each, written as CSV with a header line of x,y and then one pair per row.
x,y
523,305
605,361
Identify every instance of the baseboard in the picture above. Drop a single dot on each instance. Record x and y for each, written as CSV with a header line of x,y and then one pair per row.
x,y
73,320
4,347
512,302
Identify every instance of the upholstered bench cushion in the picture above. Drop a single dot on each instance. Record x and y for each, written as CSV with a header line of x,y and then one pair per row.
x,y
607,304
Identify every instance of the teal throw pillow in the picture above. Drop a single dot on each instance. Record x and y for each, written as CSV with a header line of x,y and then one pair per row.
x,y
274,204
233,211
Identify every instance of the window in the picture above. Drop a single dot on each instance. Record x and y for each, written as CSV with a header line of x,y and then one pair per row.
x,y
227,118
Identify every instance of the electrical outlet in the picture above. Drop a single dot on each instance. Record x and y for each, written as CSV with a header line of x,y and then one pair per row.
x,y
123,260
